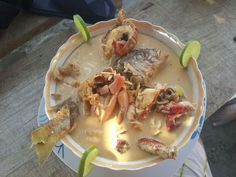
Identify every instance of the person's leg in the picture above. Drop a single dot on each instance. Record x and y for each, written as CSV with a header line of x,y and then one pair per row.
x,y
196,164
7,13
226,113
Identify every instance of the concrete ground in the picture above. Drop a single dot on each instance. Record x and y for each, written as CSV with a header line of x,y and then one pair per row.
x,y
220,145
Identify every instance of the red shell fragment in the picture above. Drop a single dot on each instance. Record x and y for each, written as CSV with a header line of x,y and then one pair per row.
x,y
155,147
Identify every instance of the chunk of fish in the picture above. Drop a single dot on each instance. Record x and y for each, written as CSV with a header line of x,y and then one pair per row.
x,y
139,65
45,137
155,147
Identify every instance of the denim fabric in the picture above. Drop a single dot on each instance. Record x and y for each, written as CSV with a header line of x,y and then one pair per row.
x,y
91,10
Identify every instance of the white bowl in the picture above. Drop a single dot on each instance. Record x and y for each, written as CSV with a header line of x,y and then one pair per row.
x,y
156,32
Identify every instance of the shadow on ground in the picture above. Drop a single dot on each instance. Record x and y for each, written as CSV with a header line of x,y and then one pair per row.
x,y
220,145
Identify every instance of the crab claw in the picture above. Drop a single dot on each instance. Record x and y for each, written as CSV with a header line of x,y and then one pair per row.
x,y
109,108
173,121
123,101
155,147
114,88
117,84
119,47
121,39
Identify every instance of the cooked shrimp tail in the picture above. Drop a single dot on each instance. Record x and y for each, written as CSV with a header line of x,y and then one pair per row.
x,y
110,108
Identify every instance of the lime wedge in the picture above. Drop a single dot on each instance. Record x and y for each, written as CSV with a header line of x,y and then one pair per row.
x,y
85,162
81,27
191,50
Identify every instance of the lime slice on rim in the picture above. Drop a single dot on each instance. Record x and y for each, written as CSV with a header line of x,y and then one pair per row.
x,y
191,50
85,162
81,27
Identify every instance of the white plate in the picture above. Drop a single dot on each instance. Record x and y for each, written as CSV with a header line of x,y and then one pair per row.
x,y
168,167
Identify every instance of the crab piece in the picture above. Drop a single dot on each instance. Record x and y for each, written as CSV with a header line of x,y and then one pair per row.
x,y
146,97
114,88
145,100
103,90
173,121
177,108
109,108
167,95
92,89
45,137
95,91
155,147
116,85
175,112
122,146
121,39
123,101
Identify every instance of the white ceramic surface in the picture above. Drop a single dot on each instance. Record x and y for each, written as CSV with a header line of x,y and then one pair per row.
x,y
198,96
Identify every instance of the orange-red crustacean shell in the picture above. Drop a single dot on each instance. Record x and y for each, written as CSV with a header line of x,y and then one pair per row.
x,y
112,42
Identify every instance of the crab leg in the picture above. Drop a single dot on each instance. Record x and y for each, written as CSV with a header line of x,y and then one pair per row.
x,y
123,101
114,88
155,147
177,108
109,108
117,84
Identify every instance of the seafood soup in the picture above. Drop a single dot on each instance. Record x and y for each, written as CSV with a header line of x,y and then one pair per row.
x,y
90,59
124,92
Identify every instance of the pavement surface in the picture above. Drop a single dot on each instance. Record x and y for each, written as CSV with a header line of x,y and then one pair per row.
x,y
220,146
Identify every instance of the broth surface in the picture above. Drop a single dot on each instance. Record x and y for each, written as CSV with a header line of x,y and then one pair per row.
x,y
90,131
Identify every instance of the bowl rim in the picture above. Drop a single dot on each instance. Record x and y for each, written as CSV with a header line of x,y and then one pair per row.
x,y
148,25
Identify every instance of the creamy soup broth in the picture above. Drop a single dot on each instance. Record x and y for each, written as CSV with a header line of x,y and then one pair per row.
x,y
90,131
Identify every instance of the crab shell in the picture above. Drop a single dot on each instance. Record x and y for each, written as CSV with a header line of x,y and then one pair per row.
x,y
122,27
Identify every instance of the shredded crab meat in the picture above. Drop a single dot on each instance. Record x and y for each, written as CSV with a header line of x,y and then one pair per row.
x,y
146,97
60,73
